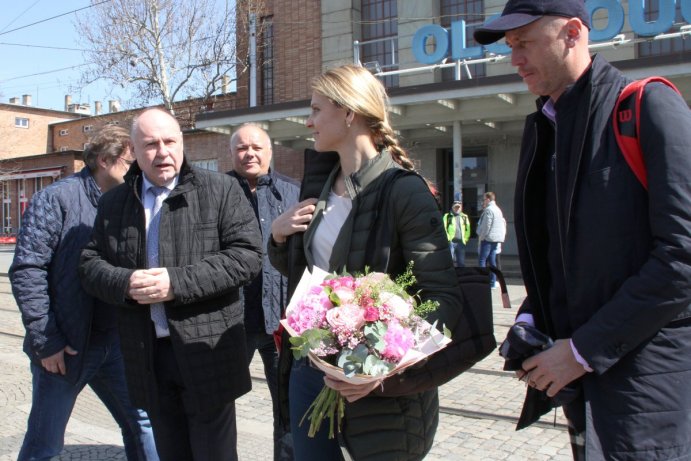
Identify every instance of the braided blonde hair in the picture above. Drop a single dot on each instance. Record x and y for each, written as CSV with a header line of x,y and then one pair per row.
x,y
355,88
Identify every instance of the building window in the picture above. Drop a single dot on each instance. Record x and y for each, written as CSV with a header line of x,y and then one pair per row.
x,y
64,132
380,36
21,122
667,46
473,12
87,128
210,164
6,208
267,60
38,184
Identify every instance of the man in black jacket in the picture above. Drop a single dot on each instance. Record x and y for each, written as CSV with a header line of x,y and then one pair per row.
x,y
170,248
270,194
606,263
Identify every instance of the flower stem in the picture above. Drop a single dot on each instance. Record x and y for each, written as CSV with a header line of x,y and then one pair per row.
x,y
329,403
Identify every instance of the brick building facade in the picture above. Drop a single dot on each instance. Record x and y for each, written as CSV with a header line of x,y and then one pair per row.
x,y
24,128
21,177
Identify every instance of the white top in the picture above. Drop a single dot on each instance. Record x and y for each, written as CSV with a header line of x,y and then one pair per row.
x,y
335,214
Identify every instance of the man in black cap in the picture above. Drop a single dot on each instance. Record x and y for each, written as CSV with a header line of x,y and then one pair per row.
x,y
606,263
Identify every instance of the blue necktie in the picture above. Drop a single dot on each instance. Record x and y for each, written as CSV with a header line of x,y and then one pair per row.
x,y
158,312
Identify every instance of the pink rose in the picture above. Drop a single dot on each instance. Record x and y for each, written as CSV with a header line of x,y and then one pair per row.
x,y
371,314
346,281
346,318
345,294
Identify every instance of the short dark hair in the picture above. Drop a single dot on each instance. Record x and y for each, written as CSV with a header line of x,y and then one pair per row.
x,y
490,195
110,142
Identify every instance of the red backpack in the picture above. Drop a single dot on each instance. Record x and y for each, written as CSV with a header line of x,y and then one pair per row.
x,y
627,121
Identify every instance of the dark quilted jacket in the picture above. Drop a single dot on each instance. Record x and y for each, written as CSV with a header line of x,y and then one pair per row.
x,y
378,427
55,309
275,193
209,242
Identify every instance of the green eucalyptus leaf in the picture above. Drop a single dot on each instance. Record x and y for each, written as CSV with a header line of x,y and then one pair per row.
x,y
377,367
343,357
375,335
351,368
359,354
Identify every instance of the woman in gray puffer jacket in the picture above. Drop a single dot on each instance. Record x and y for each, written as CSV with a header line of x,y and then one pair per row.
x,y
330,229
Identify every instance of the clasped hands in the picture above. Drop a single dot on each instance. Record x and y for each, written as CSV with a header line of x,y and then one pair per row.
x,y
150,286
551,369
350,391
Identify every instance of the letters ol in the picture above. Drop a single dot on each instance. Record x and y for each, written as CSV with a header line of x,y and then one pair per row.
x,y
454,39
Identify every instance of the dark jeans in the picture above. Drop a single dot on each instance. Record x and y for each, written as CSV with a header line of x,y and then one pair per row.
x,y
488,253
181,431
53,400
458,253
264,343
305,384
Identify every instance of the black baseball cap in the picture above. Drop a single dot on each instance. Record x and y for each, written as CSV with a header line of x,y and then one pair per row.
x,y
519,13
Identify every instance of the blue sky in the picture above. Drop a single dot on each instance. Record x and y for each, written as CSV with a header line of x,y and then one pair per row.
x,y
29,66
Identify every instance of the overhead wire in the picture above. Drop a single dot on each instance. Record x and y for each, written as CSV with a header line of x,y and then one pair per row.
x,y
19,16
53,17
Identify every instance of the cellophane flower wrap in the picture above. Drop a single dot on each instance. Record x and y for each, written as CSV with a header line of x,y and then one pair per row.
x,y
358,329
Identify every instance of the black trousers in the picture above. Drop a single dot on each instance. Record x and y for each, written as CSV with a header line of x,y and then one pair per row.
x,y
182,432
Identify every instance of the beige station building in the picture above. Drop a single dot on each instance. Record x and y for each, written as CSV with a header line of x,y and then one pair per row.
x,y
458,108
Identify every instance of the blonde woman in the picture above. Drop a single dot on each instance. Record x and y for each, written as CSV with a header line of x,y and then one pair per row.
x,y
355,145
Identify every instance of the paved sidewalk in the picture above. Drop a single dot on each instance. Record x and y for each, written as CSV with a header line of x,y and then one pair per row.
x,y
488,399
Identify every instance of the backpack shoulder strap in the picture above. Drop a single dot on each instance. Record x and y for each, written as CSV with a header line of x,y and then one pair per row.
x,y
627,121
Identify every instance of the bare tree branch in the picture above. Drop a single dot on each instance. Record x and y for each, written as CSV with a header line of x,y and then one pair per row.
x,y
161,49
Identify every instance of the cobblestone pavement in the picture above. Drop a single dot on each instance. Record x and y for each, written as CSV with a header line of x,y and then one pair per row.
x,y
480,408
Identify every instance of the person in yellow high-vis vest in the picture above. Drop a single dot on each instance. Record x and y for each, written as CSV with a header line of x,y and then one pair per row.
x,y
457,228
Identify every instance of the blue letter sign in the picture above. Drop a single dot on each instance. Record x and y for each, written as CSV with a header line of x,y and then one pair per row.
x,y
454,39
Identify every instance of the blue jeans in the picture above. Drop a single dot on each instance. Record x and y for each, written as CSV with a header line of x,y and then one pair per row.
x,y
305,383
458,253
264,343
488,251
53,399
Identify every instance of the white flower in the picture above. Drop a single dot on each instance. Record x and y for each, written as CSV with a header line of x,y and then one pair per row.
x,y
398,307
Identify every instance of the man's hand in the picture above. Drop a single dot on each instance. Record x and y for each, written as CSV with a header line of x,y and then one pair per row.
x,y
295,219
351,392
149,286
552,369
56,362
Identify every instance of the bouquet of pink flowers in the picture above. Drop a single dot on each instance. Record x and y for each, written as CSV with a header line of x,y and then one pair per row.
x,y
358,329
